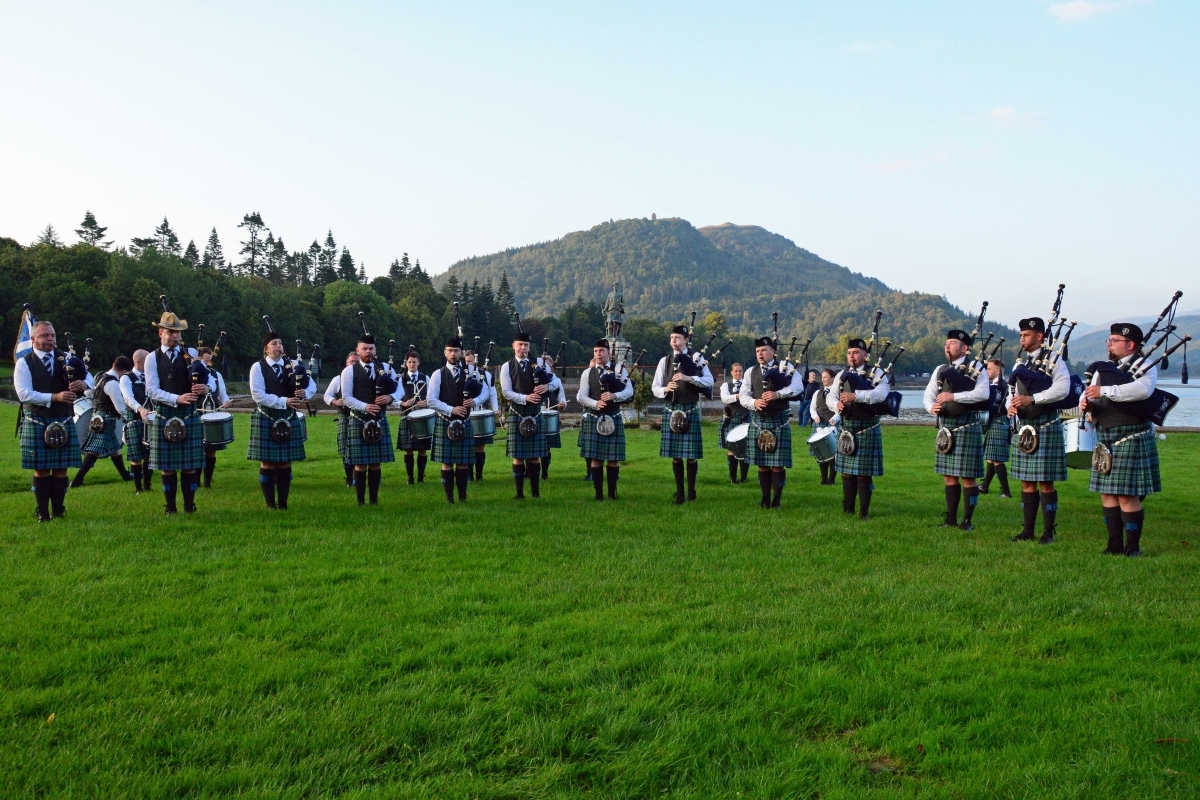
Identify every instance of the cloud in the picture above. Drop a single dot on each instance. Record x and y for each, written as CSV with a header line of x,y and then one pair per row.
x,y
1078,10
915,163
1010,117
864,48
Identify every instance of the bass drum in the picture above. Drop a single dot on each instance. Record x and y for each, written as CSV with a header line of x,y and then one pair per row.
x,y
1080,440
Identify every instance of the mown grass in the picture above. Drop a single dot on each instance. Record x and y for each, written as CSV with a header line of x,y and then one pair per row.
x,y
564,647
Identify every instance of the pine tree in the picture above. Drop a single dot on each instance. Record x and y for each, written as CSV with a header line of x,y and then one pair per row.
x,y
276,259
346,270
504,296
214,255
400,269
254,248
418,274
49,236
450,290
326,261
362,273
300,268
191,254
165,239
90,232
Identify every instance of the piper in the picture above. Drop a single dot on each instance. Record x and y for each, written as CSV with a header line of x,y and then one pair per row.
x,y
274,442
680,381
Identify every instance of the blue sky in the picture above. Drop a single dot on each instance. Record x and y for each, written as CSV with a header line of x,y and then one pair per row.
x,y
977,150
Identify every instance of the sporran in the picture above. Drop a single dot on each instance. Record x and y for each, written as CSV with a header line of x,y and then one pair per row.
x,y
281,431
527,427
175,431
767,442
680,423
945,441
55,435
605,426
847,445
1102,460
1027,439
96,424
456,431
372,432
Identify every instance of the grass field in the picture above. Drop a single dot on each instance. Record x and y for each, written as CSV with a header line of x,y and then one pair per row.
x,y
564,647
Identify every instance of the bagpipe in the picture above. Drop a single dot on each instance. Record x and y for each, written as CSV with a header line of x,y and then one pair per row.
x,y
541,376
385,384
779,377
74,367
295,376
1035,374
868,377
612,382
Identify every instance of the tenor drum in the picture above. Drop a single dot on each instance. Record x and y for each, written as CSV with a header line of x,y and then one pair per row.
x,y
420,423
1080,440
822,445
738,433
483,422
553,424
217,427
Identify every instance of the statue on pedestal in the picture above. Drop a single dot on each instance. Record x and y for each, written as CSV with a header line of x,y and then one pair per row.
x,y
614,312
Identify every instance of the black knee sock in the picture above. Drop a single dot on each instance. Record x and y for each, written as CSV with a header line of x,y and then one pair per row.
x,y
283,484
349,468
59,497
1029,509
533,471
89,461
778,479
693,468
360,485
519,479
266,480
849,492
971,495
409,463
461,476
988,474
546,467
147,477
1116,530
614,473
119,463
448,484
170,487
1002,475
480,458
824,472
953,494
1133,530
136,471
374,476
422,460
864,495
745,469
1049,510
764,483
210,464
677,468
597,474
733,465
42,489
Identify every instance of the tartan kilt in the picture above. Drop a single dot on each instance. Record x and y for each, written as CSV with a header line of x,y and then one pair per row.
x,y
135,429
1047,463
359,452
688,445
1134,463
782,457
105,443
263,447
35,454
966,459
341,434
602,448
185,455
728,424
518,446
868,458
448,452
996,440
405,440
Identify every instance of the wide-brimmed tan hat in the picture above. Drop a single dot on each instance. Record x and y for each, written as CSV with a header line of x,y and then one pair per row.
x,y
171,322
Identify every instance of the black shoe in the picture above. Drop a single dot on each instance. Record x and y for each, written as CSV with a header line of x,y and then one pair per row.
x,y
170,512
189,508
864,517
362,503
208,484
40,517
966,526
691,496
519,497
948,524
1047,537
1134,554
126,477
1108,551
983,490
410,481
271,506
1006,494
679,500
1022,537
59,514
764,503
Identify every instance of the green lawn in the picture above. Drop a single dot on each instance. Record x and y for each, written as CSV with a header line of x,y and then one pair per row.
x,y
564,647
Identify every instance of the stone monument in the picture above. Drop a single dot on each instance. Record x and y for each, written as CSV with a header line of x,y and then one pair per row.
x,y
614,317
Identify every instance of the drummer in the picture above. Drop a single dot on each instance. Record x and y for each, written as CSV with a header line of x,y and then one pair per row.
x,y
106,405
733,415
489,400
133,393
997,437
524,403
823,416
413,384
333,399
272,448
219,401
555,399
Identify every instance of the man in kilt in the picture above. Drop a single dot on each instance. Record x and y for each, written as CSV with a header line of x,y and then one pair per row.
x,y
101,440
860,393
49,440
333,399
957,400
732,415
680,382
413,384
524,392
1120,403
133,393
217,398
997,435
453,440
556,399
602,429
488,400
1038,471
360,384
273,442
772,410
176,399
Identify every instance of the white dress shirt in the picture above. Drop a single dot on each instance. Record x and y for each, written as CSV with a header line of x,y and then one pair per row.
x,y
127,390
490,398
584,395
434,390
663,375
23,380
1130,392
258,387
812,408
113,390
1060,387
513,397
746,396
216,387
869,396
730,392
979,394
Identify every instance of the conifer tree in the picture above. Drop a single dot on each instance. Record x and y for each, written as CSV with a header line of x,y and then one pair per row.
x,y
276,259
214,254
90,232
254,248
326,261
346,270
300,268
191,254
362,273
165,239
49,236
504,296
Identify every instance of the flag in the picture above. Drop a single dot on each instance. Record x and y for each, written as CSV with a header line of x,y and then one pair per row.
x,y
25,335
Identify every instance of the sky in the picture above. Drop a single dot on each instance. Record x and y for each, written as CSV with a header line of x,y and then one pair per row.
x,y
974,150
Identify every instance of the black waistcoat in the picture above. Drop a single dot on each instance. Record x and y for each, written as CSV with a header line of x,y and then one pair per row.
x,y
173,376
776,406
363,389
951,380
138,384
409,387
100,399
271,383
451,390
595,389
43,381
522,379
824,412
687,392
1109,413
731,409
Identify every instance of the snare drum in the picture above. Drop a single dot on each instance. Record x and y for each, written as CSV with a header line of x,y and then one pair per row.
x,y
151,419
83,406
217,427
552,421
738,433
483,422
420,423
1079,438
822,445
300,427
